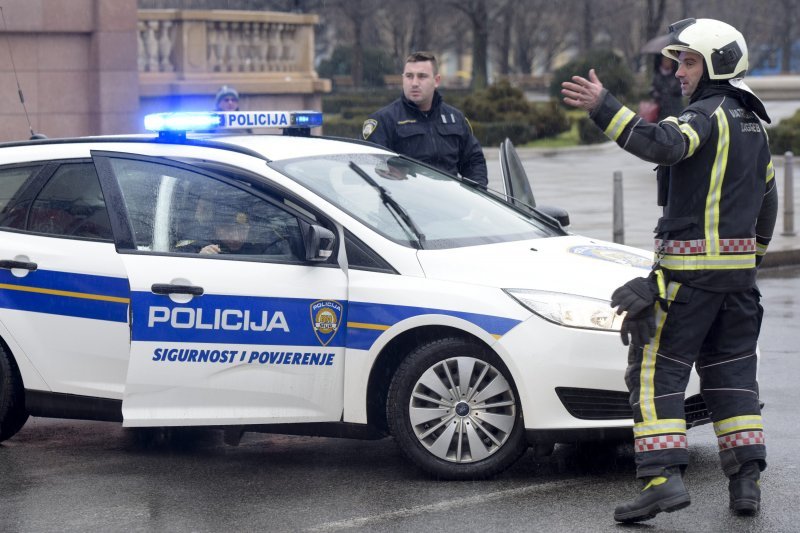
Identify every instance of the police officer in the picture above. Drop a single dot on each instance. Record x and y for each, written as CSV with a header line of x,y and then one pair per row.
x,y
422,126
700,306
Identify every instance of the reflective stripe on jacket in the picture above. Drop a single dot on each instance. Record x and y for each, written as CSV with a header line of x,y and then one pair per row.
x,y
715,171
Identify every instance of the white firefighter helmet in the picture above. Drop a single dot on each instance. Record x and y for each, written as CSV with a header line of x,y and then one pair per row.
x,y
722,46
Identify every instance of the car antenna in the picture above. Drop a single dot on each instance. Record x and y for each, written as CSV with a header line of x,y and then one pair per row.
x,y
14,68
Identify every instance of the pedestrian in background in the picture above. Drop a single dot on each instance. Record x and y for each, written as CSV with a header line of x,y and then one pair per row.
x,y
227,99
666,89
700,306
420,125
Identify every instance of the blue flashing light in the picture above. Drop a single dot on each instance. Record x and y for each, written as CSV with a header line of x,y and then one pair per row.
x,y
307,119
181,122
193,121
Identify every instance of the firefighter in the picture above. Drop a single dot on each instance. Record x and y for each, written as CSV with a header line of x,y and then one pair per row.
x,y
700,305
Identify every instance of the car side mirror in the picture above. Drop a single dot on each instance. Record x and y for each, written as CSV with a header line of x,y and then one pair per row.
x,y
318,242
561,215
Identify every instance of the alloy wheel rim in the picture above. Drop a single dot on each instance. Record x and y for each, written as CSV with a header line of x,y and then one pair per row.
x,y
462,410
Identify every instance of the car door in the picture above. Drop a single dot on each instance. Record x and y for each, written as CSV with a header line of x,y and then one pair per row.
x,y
229,323
63,289
517,185
515,179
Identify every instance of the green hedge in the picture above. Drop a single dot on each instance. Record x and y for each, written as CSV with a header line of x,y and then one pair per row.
x,y
785,137
589,133
373,100
336,126
610,68
377,63
498,112
502,111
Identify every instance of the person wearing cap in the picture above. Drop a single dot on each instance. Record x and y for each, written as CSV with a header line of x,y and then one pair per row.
x,y
228,230
394,168
231,233
421,125
227,99
700,306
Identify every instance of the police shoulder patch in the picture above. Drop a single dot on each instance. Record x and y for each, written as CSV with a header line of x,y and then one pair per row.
x,y
369,126
687,117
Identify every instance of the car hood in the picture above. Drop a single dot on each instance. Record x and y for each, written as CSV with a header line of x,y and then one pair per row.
x,y
571,264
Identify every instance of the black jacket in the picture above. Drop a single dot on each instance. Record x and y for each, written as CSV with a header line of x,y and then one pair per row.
x,y
442,137
716,184
666,91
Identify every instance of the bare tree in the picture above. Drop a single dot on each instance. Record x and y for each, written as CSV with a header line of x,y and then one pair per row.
x,y
540,31
406,30
477,13
503,41
587,33
356,16
788,33
397,25
654,18
521,33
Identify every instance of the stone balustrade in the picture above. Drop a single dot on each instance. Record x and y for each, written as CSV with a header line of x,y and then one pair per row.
x,y
193,52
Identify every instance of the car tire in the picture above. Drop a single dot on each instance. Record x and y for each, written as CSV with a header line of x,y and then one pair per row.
x,y
447,430
12,397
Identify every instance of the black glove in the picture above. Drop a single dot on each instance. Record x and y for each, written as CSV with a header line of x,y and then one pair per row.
x,y
635,296
641,328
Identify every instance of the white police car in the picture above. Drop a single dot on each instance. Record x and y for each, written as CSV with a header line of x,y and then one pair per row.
x,y
301,285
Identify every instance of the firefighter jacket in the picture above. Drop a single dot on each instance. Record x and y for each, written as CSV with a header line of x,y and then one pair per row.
x,y
442,137
716,184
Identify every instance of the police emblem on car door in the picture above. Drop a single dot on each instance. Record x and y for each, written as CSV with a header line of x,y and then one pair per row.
x,y
326,316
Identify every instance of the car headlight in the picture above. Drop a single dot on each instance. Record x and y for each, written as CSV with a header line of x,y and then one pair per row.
x,y
569,309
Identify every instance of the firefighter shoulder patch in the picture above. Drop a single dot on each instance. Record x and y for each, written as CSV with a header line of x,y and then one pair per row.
x,y
687,117
369,126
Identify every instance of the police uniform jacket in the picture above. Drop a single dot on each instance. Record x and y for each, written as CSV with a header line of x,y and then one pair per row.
x,y
442,137
716,185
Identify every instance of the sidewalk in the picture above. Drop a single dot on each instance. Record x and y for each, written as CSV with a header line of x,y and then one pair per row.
x,y
580,180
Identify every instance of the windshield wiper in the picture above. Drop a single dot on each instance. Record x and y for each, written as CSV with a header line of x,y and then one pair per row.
x,y
390,202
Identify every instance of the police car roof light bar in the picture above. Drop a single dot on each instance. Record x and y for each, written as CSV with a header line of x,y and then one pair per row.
x,y
180,123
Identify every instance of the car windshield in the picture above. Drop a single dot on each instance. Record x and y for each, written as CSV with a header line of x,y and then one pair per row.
x,y
427,208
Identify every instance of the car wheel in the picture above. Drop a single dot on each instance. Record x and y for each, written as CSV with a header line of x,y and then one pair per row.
x,y
12,397
454,411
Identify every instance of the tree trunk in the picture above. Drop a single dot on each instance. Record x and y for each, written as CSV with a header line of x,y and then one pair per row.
x,y
480,46
653,18
505,40
357,66
587,36
787,35
421,34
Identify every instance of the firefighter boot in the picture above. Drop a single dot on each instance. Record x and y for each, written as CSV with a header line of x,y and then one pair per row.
x,y
745,490
661,493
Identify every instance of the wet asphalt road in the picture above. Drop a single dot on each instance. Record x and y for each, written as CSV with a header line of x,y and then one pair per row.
x,y
84,476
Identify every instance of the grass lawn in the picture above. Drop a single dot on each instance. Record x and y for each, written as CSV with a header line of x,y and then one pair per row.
x,y
568,138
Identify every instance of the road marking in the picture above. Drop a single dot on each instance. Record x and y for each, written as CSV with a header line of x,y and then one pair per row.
x,y
446,505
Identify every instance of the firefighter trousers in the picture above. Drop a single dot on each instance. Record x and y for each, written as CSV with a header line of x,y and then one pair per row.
x,y
717,333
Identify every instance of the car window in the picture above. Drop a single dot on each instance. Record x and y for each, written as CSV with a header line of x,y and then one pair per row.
x,y
445,211
12,215
174,210
71,204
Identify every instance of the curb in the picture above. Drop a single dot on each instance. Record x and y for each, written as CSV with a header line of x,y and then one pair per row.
x,y
781,258
529,152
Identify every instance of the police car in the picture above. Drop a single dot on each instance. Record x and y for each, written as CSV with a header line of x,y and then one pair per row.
x,y
299,284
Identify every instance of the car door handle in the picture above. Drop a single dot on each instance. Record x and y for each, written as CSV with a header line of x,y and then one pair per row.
x,y
25,265
169,288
